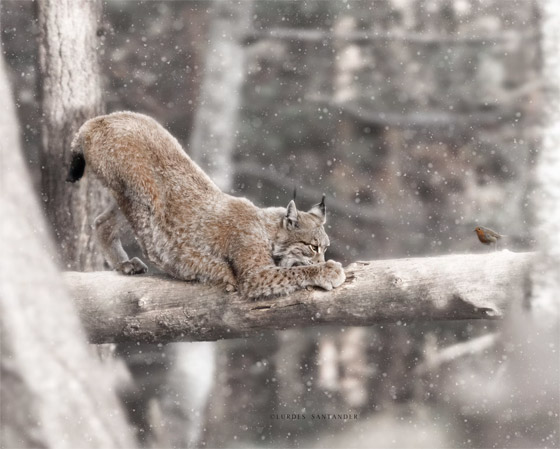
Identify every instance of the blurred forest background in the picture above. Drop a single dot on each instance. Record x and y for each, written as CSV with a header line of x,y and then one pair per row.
x,y
419,120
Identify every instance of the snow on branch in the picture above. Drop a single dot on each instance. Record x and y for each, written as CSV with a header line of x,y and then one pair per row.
x,y
117,308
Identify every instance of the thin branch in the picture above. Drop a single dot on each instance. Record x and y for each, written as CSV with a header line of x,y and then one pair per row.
x,y
421,119
277,179
309,35
118,308
457,351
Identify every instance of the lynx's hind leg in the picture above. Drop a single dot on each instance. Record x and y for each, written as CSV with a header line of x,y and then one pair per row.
x,y
107,227
205,267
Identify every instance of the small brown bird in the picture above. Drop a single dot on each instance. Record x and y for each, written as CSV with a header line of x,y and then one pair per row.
x,y
487,236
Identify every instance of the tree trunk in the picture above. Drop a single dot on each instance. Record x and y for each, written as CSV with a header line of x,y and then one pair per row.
x,y
546,278
53,394
214,132
237,384
72,93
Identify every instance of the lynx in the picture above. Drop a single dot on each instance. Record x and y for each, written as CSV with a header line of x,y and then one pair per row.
x,y
186,225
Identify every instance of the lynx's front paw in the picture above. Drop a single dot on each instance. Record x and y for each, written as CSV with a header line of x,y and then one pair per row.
x,y
332,275
132,266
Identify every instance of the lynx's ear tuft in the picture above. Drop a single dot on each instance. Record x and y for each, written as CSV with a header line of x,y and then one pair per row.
x,y
291,218
319,210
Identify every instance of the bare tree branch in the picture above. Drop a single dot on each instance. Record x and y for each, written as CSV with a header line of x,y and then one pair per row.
x,y
413,119
310,35
148,308
457,351
277,179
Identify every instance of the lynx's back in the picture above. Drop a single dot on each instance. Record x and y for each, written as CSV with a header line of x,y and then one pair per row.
x,y
133,154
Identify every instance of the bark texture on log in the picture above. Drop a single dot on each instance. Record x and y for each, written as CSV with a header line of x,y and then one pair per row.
x,y
155,309
71,89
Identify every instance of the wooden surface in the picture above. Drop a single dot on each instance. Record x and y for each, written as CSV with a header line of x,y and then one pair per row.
x,y
117,308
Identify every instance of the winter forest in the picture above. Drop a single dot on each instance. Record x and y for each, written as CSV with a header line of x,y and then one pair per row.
x,y
429,126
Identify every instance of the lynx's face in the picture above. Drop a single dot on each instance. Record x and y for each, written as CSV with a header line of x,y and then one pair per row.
x,y
301,239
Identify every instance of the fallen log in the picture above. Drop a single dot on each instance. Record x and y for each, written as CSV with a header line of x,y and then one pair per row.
x,y
116,308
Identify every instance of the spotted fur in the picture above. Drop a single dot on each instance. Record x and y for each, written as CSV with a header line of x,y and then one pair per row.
x,y
188,227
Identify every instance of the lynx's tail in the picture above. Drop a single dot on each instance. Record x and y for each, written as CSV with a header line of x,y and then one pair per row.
x,y
78,162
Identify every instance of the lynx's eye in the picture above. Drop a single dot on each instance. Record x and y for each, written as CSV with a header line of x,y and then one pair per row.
x,y
313,248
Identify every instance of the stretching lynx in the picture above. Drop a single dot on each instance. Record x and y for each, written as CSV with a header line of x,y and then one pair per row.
x,y
186,225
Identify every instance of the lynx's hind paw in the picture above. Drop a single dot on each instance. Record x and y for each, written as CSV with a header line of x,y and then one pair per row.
x,y
132,266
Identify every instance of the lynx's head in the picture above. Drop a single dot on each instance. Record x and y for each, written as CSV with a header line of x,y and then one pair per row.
x,y
301,238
